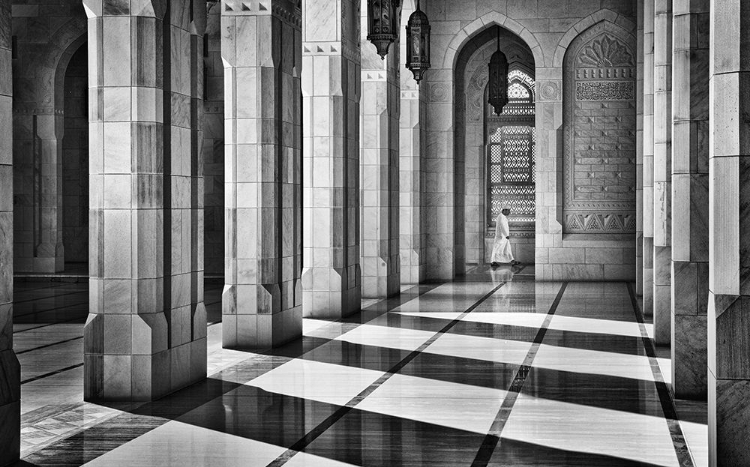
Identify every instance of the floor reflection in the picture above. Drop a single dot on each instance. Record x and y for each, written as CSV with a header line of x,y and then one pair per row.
x,y
492,369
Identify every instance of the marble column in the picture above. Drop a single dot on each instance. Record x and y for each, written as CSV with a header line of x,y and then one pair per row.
x,y
10,370
639,152
411,181
379,169
261,50
691,22
648,157
146,331
729,235
662,170
331,89
193,246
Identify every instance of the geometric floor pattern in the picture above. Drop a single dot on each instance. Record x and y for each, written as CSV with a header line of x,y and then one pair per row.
x,y
491,370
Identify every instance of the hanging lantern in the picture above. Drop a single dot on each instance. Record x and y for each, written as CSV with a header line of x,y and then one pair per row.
x,y
498,86
383,24
418,44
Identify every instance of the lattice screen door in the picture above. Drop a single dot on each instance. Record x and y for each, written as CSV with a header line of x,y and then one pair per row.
x,y
512,175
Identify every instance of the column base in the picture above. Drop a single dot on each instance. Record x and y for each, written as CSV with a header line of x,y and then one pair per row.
x,y
10,407
411,268
46,265
662,314
689,357
439,263
331,293
648,292
132,376
49,258
728,416
689,329
381,286
639,264
648,276
253,331
662,295
245,325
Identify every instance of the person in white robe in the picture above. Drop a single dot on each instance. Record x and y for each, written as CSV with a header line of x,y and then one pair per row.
x,y
501,251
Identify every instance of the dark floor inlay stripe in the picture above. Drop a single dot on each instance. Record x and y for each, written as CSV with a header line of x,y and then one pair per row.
x,y
49,345
81,317
93,442
341,412
52,296
493,437
56,307
52,373
665,396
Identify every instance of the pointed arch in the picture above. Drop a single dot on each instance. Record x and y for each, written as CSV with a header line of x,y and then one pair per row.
x,y
618,20
465,35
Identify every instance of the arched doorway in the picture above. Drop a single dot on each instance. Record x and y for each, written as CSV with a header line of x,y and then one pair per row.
x,y
75,164
510,161
481,182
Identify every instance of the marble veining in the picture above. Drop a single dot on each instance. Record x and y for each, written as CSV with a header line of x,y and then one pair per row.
x,y
472,372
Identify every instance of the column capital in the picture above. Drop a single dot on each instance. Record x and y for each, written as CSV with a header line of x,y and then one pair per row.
x,y
332,27
144,8
286,10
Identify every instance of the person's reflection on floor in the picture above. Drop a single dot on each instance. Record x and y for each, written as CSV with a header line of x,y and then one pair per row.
x,y
503,273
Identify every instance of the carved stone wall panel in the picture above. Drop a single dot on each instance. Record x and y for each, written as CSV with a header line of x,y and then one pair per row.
x,y
600,129
605,90
549,91
600,222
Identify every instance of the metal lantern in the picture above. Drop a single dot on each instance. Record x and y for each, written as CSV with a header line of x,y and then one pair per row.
x,y
383,23
418,44
498,85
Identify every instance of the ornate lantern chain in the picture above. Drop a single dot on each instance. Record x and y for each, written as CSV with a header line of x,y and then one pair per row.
x,y
383,24
498,86
418,43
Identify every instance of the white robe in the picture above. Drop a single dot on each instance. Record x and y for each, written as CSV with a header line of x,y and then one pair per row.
x,y
501,252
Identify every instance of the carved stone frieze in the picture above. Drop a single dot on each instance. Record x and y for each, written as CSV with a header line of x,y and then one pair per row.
x,y
597,222
605,90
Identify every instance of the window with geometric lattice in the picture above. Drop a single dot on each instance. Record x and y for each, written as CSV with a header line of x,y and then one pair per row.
x,y
511,173
511,155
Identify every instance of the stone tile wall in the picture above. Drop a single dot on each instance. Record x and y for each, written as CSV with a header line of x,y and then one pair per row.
x,y
547,28
75,160
47,35
213,143
10,370
599,161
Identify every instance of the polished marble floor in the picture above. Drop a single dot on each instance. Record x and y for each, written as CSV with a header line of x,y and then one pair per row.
x,y
491,370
